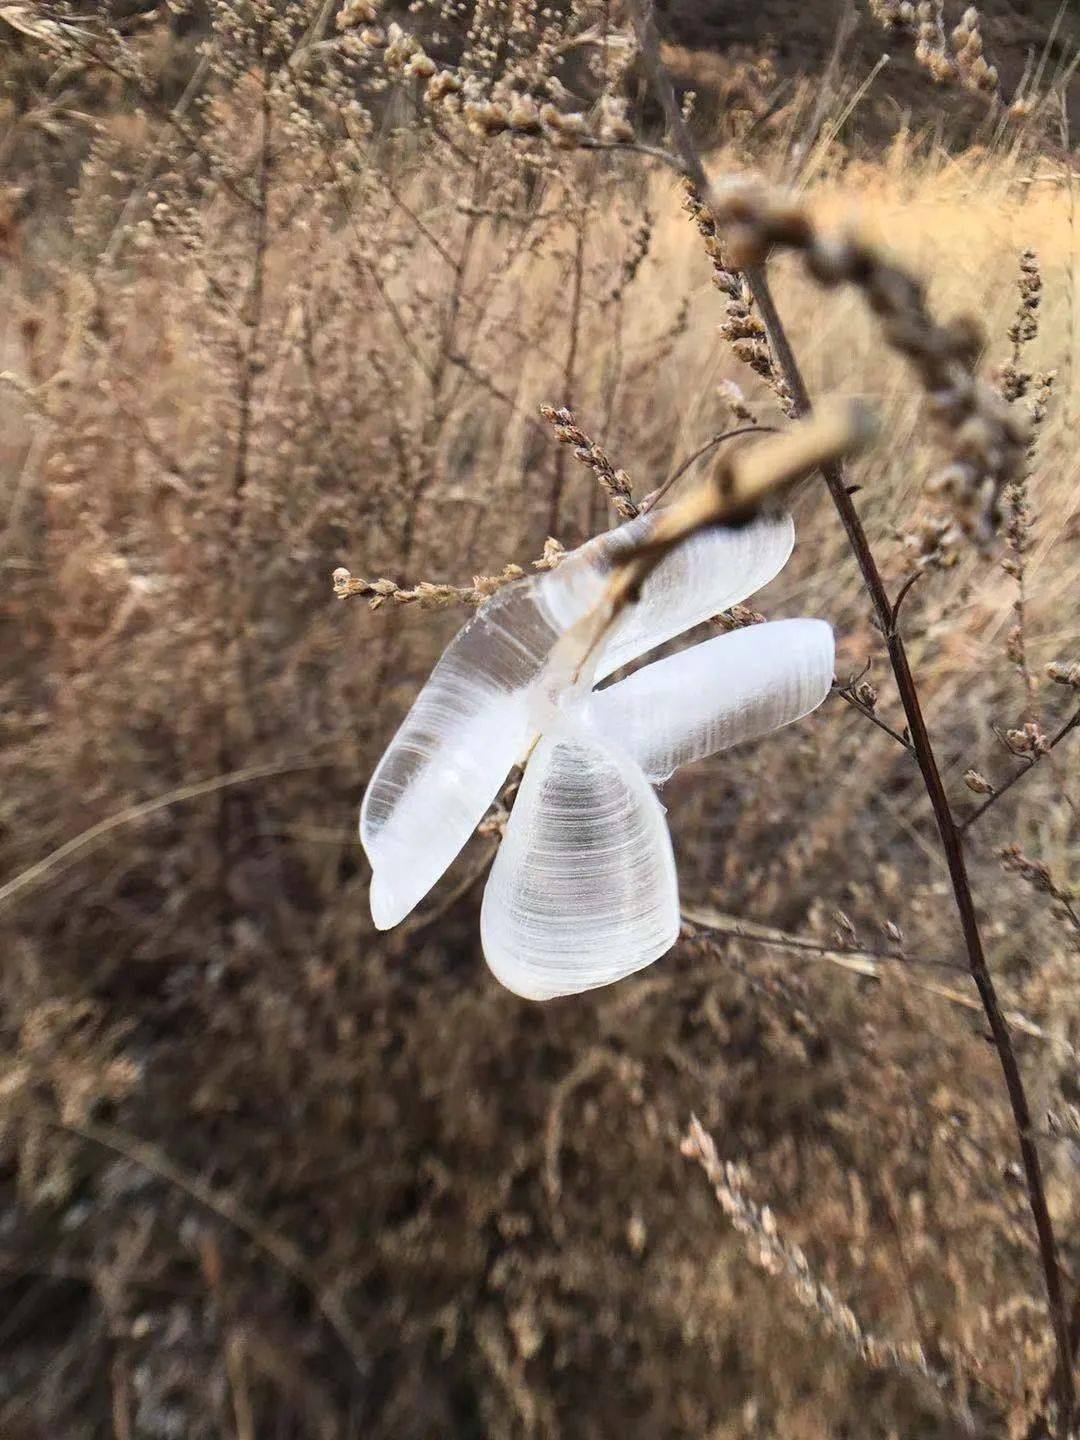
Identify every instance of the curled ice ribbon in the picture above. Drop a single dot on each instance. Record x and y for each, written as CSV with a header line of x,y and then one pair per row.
x,y
583,890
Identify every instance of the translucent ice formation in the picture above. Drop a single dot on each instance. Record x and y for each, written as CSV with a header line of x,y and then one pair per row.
x,y
583,890
706,699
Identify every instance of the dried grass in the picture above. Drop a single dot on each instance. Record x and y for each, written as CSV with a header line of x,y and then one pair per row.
x,y
268,1172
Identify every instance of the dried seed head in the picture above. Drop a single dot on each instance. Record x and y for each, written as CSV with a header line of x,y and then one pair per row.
x,y
1030,741
1063,672
357,12
978,782
1033,871
739,617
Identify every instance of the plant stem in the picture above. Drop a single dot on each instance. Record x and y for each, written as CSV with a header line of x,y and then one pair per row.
x,y
952,846
856,704
948,830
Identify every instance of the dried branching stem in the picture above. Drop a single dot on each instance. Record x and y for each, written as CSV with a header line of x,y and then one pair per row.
x,y
431,595
743,213
860,960
850,697
1069,726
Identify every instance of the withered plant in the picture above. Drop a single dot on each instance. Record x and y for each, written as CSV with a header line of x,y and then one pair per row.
x,y
420,299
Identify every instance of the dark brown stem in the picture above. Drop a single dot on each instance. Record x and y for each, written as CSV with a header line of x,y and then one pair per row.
x,y
905,590
952,846
1037,1429
948,830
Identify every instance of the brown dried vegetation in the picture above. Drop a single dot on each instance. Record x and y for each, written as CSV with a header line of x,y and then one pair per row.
x,y
286,287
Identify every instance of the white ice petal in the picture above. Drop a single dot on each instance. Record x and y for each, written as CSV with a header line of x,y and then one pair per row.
x,y
711,696
583,890
468,726
477,715
709,572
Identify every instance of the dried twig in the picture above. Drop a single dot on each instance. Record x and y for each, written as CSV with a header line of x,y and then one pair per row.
x,y
849,694
698,454
736,492
1003,789
37,874
435,595
861,960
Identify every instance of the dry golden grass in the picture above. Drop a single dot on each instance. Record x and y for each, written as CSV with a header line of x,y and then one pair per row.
x,y
267,1172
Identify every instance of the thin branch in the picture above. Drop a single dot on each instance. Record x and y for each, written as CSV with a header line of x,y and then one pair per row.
x,y
633,147
739,928
43,869
845,694
691,459
736,492
861,960
905,590
424,919
969,820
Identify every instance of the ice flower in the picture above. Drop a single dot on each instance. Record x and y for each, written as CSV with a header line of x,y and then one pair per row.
x,y
583,889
